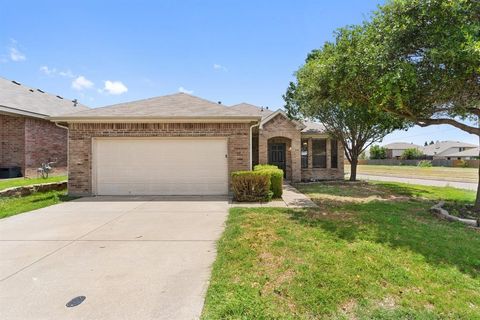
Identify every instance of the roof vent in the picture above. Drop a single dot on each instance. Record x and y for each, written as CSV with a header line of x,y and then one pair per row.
x,y
75,102
59,97
17,83
31,90
219,102
40,91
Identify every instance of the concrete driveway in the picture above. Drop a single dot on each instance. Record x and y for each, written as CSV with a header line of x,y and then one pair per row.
x,y
132,258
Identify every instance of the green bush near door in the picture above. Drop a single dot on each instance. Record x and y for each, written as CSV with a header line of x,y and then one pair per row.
x,y
251,186
276,177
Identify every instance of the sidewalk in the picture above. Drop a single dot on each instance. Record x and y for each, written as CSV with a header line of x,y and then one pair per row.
x,y
291,198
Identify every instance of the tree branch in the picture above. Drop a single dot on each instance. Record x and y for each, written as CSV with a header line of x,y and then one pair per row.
x,y
459,125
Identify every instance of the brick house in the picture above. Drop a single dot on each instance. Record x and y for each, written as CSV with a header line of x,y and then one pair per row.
x,y
27,137
184,145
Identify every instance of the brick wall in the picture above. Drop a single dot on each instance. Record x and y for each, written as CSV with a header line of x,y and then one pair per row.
x,y
81,134
328,173
44,141
12,141
281,127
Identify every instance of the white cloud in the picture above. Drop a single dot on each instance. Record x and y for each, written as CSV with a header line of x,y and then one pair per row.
x,y
54,72
217,66
81,83
15,54
47,70
182,89
66,74
115,87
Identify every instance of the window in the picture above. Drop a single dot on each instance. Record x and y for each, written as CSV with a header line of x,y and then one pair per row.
x,y
304,153
319,153
334,153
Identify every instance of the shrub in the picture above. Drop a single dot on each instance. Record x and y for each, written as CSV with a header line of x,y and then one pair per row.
x,y
412,154
251,186
276,177
425,164
378,152
462,163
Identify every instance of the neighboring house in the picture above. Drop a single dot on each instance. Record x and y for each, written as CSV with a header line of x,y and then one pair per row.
x,y
184,145
27,138
469,154
396,149
445,149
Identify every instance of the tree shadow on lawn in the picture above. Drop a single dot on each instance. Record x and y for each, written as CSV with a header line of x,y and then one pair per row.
x,y
400,224
359,190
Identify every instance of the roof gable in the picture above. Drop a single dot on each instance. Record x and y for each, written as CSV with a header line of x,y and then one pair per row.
x,y
265,120
15,98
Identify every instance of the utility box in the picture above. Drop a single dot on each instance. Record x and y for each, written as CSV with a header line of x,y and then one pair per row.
x,y
10,172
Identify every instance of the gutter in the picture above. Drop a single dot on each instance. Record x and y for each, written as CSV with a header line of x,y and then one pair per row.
x,y
68,147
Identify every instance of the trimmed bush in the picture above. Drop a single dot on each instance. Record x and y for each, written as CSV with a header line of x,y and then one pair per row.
x,y
424,164
276,178
251,186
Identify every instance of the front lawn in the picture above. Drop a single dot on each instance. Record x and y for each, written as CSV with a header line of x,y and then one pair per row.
x,y
10,206
371,251
18,182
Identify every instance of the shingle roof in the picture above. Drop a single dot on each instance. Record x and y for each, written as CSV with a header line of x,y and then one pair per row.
x,y
474,152
250,109
246,108
441,147
178,105
401,146
17,98
313,127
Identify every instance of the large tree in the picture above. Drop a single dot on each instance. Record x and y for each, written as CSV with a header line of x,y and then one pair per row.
x,y
333,89
425,57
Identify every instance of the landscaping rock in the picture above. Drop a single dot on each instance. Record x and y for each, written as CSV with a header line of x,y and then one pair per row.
x,y
443,214
28,190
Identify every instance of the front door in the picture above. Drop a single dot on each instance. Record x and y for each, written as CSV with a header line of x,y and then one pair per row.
x,y
277,156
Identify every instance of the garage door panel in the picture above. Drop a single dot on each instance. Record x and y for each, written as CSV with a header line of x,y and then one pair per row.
x,y
161,166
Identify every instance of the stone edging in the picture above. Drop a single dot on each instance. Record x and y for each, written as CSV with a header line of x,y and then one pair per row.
x,y
28,190
443,214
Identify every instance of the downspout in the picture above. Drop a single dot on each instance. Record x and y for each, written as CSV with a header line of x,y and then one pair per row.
x,y
68,147
251,143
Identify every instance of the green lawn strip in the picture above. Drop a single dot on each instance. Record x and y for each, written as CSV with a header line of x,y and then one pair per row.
x,y
10,206
17,182
380,259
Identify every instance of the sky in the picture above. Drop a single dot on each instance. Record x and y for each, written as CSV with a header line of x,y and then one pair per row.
x,y
233,51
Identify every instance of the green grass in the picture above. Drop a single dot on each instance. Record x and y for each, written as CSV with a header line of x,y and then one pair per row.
x,y
10,206
18,182
375,259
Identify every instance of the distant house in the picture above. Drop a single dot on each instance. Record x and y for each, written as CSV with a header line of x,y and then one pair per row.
x,y
396,149
448,150
469,154
27,138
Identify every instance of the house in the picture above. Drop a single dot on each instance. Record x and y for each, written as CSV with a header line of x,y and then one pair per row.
x,y
469,154
445,149
180,144
27,137
396,149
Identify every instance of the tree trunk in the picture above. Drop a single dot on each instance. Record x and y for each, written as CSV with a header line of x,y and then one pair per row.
x,y
477,200
353,169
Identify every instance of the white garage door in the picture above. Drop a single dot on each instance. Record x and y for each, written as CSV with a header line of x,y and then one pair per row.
x,y
157,166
